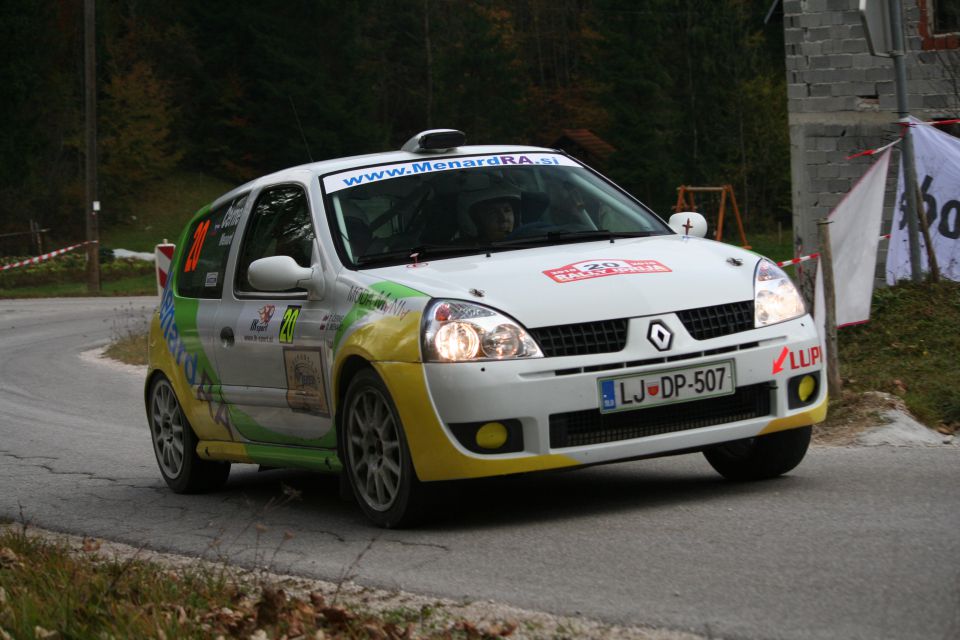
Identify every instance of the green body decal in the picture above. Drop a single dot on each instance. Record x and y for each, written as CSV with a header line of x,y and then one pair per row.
x,y
376,298
251,430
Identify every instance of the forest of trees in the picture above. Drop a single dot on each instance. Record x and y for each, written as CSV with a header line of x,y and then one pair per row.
x,y
687,91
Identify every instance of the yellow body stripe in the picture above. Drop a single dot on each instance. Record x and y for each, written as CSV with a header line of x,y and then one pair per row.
x,y
219,450
434,456
803,419
196,411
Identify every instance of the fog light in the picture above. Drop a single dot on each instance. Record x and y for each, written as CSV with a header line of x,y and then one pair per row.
x,y
492,435
489,437
803,390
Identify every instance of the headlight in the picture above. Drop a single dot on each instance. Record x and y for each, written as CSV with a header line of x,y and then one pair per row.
x,y
776,299
455,331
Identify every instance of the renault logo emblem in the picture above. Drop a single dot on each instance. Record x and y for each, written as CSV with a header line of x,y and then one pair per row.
x,y
659,336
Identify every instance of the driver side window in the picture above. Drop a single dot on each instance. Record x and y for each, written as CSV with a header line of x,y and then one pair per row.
x,y
279,225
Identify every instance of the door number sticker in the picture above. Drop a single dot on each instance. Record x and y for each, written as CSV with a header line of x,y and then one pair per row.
x,y
288,324
199,235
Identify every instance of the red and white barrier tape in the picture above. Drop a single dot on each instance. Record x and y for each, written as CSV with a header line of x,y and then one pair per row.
x,y
872,152
903,126
934,123
788,263
812,256
46,256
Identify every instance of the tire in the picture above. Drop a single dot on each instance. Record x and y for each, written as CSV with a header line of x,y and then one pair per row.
x,y
376,458
175,444
762,457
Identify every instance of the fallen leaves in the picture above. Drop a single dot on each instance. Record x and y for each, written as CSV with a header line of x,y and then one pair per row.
x,y
270,605
91,545
337,615
474,632
44,634
146,600
9,559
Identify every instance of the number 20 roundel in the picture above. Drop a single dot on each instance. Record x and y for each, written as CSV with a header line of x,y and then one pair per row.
x,y
588,269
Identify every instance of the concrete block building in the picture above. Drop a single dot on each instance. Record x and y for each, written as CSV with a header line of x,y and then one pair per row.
x,y
842,99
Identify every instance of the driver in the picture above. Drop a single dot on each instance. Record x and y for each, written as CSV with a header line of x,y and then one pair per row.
x,y
494,217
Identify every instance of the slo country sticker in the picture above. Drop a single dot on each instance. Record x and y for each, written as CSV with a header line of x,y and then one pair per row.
x,y
288,324
797,359
589,269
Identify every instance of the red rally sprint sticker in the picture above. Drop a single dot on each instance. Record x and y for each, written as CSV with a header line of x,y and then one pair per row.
x,y
588,269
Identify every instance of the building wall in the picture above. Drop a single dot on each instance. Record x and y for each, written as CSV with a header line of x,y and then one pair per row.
x,y
842,99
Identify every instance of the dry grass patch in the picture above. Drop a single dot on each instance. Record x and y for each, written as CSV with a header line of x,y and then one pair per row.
x,y
129,349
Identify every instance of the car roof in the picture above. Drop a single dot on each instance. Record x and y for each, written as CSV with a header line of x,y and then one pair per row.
x,y
323,167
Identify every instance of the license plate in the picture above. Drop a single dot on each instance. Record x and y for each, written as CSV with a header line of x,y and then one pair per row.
x,y
666,386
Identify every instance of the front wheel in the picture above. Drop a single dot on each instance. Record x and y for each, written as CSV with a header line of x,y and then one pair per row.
x,y
761,457
175,445
376,458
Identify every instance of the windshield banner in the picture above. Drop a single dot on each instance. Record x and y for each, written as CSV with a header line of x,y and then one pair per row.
x,y
367,175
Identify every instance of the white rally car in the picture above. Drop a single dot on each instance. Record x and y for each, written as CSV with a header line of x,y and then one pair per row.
x,y
449,311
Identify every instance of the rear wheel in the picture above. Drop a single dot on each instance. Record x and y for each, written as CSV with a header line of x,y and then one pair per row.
x,y
376,458
175,445
761,457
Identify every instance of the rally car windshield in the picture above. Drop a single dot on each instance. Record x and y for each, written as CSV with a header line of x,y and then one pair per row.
x,y
471,204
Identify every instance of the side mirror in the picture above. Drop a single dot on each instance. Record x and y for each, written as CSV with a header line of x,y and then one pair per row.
x,y
689,223
279,273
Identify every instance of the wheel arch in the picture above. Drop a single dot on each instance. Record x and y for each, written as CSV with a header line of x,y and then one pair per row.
x,y
348,370
148,384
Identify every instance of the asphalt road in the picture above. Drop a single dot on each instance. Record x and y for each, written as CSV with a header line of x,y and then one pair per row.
x,y
855,543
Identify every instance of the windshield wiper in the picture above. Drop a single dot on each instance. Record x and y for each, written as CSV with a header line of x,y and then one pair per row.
x,y
561,237
418,253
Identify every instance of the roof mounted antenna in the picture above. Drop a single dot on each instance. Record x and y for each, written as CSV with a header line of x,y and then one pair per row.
x,y
300,127
434,140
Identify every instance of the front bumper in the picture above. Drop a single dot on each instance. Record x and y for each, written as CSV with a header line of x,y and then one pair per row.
x,y
548,395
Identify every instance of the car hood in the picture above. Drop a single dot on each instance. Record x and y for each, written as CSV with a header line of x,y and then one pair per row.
x,y
589,281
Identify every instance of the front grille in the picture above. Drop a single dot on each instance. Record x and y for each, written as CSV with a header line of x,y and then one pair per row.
x,y
581,339
721,320
579,428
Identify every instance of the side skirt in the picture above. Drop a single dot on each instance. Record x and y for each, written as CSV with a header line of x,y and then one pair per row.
x,y
271,455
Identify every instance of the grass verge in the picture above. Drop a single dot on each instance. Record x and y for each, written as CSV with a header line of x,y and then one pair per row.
x,y
773,245
162,210
909,348
135,285
52,588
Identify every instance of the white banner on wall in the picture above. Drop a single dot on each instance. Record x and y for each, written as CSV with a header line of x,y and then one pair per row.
x,y
854,236
938,177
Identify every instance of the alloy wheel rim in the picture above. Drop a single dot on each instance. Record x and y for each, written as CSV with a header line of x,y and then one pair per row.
x,y
167,429
373,446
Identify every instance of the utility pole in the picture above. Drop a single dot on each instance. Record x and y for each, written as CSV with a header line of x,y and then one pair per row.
x,y
883,26
834,382
906,155
91,205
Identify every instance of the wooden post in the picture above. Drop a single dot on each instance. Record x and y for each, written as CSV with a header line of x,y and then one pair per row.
x,y
925,228
736,211
723,206
834,384
35,237
91,205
